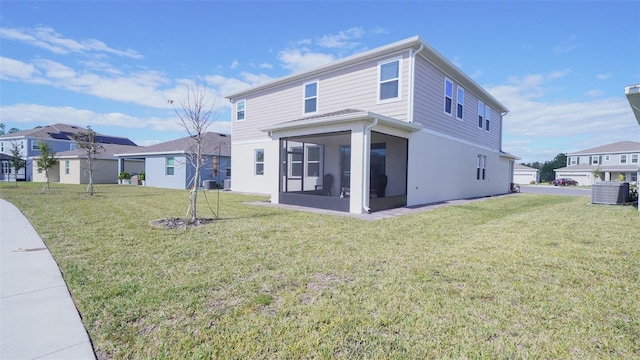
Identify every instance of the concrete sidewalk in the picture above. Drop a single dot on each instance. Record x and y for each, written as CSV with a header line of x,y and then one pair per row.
x,y
38,319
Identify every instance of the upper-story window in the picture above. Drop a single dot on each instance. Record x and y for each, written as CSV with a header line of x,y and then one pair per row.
x,y
607,157
623,159
595,160
73,146
480,114
487,117
460,101
389,80
573,160
448,96
241,109
1,146
311,97
34,145
634,158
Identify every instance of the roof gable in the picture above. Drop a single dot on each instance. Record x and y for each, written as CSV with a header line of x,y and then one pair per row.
x,y
215,144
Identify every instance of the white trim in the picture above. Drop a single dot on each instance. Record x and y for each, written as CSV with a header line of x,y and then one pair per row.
x,y
363,115
380,82
253,141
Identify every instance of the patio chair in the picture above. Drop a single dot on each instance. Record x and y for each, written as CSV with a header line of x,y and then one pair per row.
x,y
327,183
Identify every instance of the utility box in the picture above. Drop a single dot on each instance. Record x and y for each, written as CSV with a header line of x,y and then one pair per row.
x,y
227,184
610,193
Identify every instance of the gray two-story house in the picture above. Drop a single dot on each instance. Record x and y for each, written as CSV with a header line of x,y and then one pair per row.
x,y
394,126
616,161
58,136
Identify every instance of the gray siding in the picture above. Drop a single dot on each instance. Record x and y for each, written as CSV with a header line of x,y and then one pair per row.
x,y
354,87
429,108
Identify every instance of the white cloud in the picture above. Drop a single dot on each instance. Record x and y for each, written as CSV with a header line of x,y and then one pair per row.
x,y
301,59
343,39
603,76
537,129
566,46
16,69
594,93
559,73
48,39
234,64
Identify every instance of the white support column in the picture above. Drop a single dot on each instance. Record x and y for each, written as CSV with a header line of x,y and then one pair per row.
x,y
357,169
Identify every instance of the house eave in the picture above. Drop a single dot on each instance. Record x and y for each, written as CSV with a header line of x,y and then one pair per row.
x,y
364,115
632,92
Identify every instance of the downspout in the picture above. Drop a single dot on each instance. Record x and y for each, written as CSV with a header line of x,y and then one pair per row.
x,y
367,152
412,77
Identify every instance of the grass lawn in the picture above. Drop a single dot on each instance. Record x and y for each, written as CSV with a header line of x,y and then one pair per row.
x,y
522,276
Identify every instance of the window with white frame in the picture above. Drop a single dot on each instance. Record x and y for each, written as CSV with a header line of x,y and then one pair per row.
x,y
34,144
607,157
480,171
170,165
241,109
573,160
389,80
487,118
595,160
484,167
73,146
448,96
480,114
259,161
313,161
634,158
460,102
623,159
67,167
311,97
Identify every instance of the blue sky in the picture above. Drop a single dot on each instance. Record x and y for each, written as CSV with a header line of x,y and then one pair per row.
x,y
560,67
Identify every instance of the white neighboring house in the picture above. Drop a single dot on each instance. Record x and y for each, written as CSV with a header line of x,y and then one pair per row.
x,y
603,163
525,174
395,126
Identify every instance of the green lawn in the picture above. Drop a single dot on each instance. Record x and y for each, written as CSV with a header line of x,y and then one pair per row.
x,y
522,276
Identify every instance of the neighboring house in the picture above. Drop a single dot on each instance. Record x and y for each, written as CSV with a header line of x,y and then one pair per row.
x,y
58,136
73,167
394,126
525,174
171,165
7,172
603,163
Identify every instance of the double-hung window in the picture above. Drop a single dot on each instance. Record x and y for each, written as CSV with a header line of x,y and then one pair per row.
x,y
311,97
481,169
170,165
573,160
460,101
389,80
448,96
67,167
259,161
634,158
623,159
487,118
34,145
480,114
241,110
595,160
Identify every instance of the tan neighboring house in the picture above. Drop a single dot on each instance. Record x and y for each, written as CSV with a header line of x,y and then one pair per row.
x,y
72,167
620,160
525,174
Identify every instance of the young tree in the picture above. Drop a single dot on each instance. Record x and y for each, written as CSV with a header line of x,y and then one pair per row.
x,y
46,160
195,115
17,163
86,141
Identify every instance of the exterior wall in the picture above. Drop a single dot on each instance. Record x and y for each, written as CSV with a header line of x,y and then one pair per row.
x,y
104,171
429,109
54,173
244,178
155,171
430,154
354,87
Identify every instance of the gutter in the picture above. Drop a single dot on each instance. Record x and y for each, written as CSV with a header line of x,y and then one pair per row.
x,y
412,78
367,159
